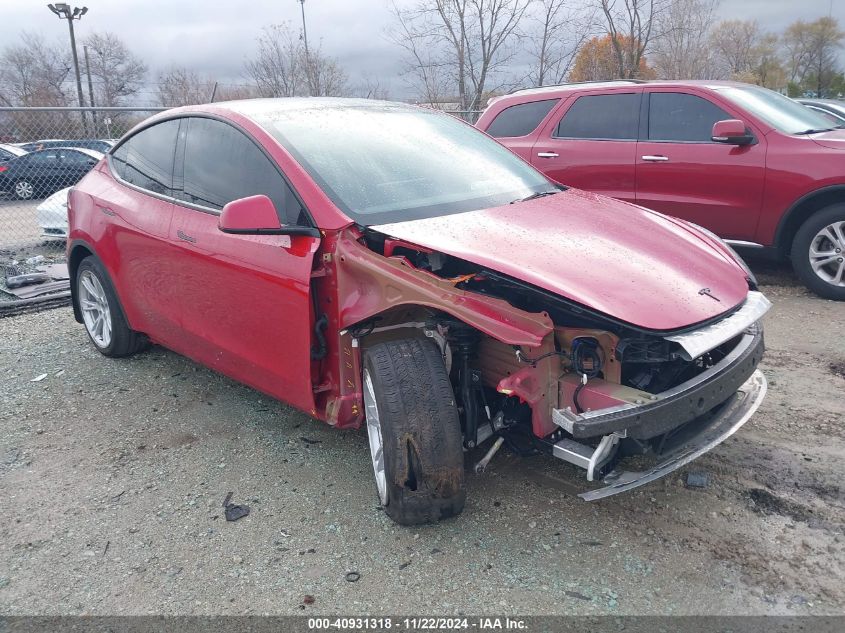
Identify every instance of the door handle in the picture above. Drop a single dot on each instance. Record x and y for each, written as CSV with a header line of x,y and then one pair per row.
x,y
547,154
107,211
655,159
185,237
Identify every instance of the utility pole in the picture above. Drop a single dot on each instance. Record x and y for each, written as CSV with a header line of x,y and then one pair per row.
x,y
307,56
64,12
90,88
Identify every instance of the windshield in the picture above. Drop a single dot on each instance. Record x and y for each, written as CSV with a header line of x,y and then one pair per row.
x,y
780,112
387,163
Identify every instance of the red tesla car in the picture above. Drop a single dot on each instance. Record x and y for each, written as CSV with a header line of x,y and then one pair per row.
x,y
379,264
755,167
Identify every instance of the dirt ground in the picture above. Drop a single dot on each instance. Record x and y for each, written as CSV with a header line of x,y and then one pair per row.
x,y
113,475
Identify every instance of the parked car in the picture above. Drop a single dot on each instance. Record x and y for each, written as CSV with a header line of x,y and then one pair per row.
x,y
99,145
45,171
747,163
8,152
380,264
52,215
834,109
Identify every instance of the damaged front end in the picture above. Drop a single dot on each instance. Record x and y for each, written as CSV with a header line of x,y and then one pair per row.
x,y
540,371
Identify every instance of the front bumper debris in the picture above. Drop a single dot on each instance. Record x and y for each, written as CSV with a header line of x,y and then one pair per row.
x,y
693,443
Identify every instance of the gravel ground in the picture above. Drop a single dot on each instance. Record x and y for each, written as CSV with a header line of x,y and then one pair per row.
x,y
113,476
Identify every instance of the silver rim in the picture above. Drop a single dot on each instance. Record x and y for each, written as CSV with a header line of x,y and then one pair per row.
x,y
827,254
374,433
23,189
95,309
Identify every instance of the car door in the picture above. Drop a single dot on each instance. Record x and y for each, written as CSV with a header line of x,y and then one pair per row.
x,y
682,172
591,143
245,299
41,169
136,215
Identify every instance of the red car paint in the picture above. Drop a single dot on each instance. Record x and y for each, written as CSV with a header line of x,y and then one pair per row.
x,y
243,304
758,193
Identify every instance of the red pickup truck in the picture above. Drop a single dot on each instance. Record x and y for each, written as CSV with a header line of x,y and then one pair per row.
x,y
749,164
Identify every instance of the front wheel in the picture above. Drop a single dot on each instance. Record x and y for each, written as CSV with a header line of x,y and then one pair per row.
x,y
414,431
818,252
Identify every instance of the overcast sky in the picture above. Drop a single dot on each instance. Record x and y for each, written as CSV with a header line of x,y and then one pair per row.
x,y
215,37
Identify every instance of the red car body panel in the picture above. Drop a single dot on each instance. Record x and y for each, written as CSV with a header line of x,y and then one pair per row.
x,y
552,243
746,193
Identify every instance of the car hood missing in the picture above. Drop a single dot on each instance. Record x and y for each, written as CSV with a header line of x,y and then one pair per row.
x,y
627,262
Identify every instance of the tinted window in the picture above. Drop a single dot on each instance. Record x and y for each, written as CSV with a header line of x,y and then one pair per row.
x,y
223,164
613,116
4,155
146,159
44,157
77,158
673,116
522,119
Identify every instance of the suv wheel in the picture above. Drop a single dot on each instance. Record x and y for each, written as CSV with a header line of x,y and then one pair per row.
x,y
818,252
414,431
101,312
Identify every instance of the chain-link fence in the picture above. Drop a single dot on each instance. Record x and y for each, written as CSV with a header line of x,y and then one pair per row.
x,y
43,151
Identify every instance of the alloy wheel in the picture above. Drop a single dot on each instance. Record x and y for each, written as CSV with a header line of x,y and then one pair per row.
x,y
95,309
24,190
374,434
827,254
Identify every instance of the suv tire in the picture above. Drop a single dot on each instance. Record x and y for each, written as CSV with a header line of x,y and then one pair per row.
x,y
414,431
822,232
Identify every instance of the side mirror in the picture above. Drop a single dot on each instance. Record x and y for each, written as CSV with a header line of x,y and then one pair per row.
x,y
731,132
256,215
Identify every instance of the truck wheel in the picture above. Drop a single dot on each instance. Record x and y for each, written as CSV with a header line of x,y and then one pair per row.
x,y
414,431
101,312
818,252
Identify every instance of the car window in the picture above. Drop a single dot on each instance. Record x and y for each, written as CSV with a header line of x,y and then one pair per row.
x,y
223,164
521,119
603,117
76,158
4,155
146,158
675,116
43,157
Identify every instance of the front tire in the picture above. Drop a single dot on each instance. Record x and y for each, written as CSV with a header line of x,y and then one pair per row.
x,y
818,252
101,312
414,431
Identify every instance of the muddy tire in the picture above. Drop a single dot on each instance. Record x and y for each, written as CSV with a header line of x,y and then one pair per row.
x,y
102,313
414,431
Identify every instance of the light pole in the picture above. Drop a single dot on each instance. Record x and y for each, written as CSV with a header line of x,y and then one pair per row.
x,y
305,40
64,12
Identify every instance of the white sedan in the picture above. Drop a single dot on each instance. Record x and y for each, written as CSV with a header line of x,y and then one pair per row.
x,y
52,215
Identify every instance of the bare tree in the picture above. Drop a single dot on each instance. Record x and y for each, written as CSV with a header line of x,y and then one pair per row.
x,y
371,88
281,68
33,72
681,49
460,46
812,53
631,26
181,86
115,71
735,44
560,28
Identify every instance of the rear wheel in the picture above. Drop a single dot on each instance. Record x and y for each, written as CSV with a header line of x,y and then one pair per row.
x,y
818,252
24,189
101,312
414,431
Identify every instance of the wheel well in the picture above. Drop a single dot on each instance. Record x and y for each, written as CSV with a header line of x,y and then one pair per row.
x,y
77,254
801,211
